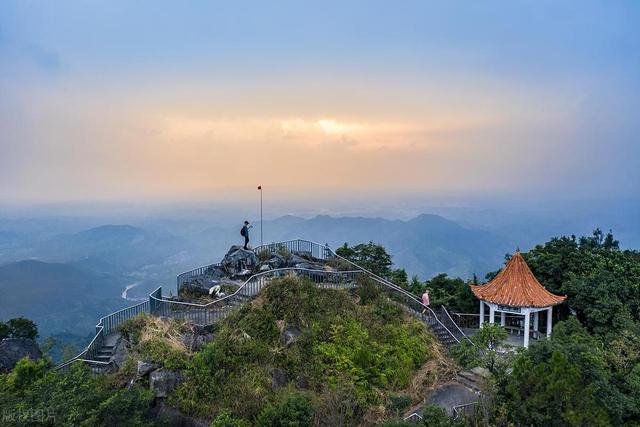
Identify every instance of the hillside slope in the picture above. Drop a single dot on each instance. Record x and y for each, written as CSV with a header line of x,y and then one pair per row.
x,y
343,356
59,297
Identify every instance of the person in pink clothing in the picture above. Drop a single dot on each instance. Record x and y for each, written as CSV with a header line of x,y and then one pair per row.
x,y
425,299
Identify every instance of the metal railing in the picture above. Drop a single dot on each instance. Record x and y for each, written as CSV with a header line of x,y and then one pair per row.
x,y
299,247
205,314
185,276
453,326
324,252
105,326
466,410
216,310
514,324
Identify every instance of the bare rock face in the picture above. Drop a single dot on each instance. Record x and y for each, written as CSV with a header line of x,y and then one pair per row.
x,y
163,382
195,340
120,352
145,368
238,261
14,349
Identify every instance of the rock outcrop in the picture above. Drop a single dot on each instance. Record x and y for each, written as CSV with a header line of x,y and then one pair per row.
x,y
14,349
145,368
163,382
239,261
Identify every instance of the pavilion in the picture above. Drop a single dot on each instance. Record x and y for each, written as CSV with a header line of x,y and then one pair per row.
x,y
515,290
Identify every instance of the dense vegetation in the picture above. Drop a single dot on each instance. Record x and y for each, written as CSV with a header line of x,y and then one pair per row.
x,y
353,353
589,372
34,394
298,355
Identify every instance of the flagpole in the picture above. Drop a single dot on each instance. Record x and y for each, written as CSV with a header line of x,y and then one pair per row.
x,y
260,188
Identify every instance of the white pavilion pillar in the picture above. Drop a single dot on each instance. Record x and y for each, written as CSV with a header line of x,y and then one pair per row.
x,y
549,315
492,314
526,328
503,319
535,321
481,313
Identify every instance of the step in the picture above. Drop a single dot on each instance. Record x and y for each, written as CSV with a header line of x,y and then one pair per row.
x,y
469,376
470,380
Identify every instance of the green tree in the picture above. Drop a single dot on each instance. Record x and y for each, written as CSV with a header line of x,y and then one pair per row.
x,y
454,294
552,393
21,327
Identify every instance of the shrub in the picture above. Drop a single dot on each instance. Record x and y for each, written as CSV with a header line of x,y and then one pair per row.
x,y
132,328
435,416
158,350
295,411
367,290
398,403
226,419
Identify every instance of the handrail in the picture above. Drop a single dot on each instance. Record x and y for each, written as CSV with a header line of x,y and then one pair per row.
x,y
109,322
446,312
246,282
379,279
460,410
105,325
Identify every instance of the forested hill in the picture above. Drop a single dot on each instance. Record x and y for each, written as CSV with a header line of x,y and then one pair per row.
x,y
299,355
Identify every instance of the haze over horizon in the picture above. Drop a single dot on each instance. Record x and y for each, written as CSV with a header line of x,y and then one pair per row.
x,y
158,101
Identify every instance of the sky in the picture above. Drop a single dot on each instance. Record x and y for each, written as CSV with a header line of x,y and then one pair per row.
x,y
119,100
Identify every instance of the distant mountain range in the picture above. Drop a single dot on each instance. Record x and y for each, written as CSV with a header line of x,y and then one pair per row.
x,y
70,279
426,245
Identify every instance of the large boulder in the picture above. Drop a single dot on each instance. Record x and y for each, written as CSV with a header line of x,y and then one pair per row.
x,y
120,352
145,368
200,285
276,261
195,340
239,261
14,349
163,382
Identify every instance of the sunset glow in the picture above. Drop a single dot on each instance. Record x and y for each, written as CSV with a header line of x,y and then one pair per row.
x,y
133,111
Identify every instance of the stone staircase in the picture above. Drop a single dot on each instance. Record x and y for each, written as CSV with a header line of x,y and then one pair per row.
x,y
442,334
474,379
107,349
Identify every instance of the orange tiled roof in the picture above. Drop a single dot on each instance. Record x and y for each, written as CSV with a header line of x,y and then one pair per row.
x,y
516,286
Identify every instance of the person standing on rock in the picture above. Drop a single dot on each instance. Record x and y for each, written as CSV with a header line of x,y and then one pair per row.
x,y
244,232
